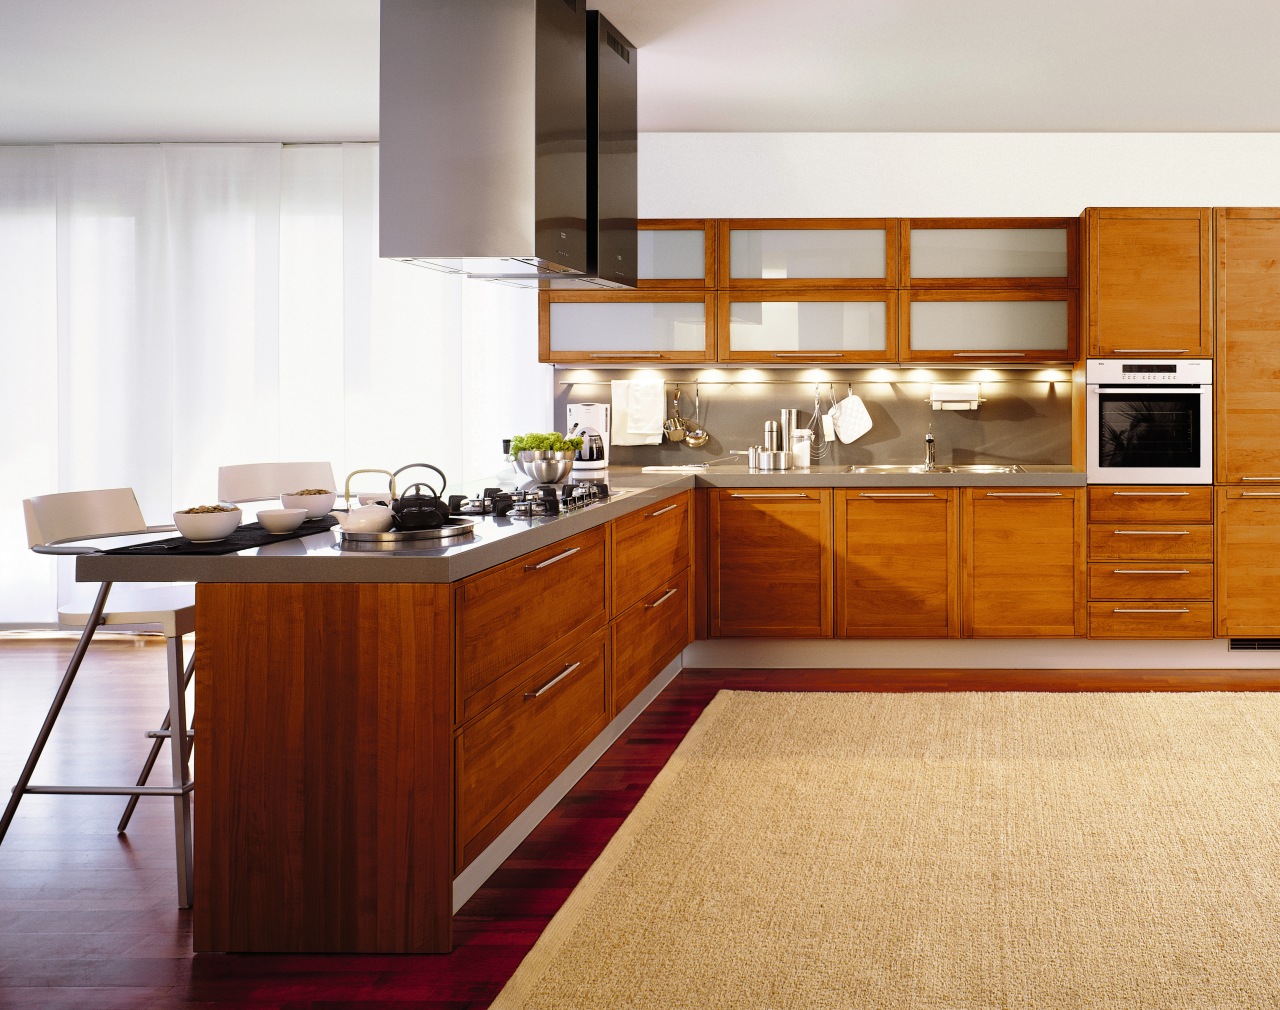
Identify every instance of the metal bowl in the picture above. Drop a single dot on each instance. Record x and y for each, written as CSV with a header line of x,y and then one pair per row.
x,y
545,466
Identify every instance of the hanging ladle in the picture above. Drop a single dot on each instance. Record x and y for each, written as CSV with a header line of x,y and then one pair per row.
x,y
696,436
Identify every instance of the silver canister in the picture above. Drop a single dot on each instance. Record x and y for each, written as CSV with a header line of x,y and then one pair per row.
x,y
753,456
790,421
772,436
775,461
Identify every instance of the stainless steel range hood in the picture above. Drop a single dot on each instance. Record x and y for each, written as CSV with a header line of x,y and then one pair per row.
x,y
485,162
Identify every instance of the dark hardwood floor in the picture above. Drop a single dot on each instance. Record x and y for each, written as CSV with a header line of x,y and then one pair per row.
x,y
88,920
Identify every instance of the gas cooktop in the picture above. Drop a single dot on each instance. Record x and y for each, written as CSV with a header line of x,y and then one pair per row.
x,y
545,501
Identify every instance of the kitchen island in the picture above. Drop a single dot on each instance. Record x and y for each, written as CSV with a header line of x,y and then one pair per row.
x,y
373,727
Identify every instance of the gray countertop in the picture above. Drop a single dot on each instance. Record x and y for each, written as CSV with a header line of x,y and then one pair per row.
x,y
319,557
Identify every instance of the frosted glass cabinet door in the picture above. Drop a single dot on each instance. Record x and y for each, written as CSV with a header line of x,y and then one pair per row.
x,y
812,326
808,253
995,326
675,253
990,252
586,327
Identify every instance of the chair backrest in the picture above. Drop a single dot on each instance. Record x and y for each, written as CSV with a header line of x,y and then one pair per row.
x,y
259,481
76,515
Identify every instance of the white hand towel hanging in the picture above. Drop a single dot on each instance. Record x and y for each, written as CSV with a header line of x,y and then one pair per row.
x,y
637,412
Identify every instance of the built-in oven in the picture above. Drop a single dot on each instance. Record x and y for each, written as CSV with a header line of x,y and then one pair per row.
x,y
1149,422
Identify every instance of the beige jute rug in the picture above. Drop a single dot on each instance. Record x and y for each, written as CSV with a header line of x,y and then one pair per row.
x,y
971,851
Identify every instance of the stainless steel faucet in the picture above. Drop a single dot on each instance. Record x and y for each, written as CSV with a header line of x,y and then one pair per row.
x,y
928,449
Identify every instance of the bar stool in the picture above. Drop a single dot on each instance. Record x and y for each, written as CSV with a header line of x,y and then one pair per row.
x,y
248,482
54,523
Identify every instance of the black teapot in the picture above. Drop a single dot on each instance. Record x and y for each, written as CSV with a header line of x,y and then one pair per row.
x,y
420,506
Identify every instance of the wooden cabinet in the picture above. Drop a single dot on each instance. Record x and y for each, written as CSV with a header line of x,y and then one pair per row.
x,y
990,253
652,598
769,563
673,253
642,327
897,563
1022,562
974,325
514,615
1148,289
1247,523
1151,562
783,253
1247,376
837,327
508,755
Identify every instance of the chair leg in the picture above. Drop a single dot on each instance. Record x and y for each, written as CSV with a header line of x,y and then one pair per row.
x,y
154,753
68,678
180,753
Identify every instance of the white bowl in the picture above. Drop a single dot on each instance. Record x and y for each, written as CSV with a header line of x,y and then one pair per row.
x,y
206,527
281,520
317,505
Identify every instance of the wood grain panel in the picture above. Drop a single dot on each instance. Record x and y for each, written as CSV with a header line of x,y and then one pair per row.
x,y
1023,562
1162,580
1247,570
1247,368
649,636
518,614
1149,281
1154,619
650,548
897,563
511,753
1138,541
1143,503
324,719
770,563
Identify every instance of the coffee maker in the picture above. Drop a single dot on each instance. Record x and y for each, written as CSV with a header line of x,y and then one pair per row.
x,y
590,421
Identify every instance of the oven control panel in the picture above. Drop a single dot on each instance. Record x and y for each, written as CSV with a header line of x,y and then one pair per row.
x,y
1171,372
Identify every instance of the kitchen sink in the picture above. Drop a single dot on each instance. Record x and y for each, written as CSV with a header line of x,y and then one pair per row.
x,y
892,468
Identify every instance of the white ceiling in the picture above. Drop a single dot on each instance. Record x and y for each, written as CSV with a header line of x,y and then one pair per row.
x,y
306,70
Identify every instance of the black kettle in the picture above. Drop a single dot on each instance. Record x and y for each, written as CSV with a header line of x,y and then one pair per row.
x,y
421,505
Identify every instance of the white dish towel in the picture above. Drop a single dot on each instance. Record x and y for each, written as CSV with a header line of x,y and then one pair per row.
x,y
638,412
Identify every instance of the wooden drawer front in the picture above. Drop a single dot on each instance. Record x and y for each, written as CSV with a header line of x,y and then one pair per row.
x,y
516,615
648,636
1151,504
1150,619
1156,581
511,753
650,548
1135,541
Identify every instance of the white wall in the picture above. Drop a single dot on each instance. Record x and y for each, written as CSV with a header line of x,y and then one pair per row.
x,y
950,174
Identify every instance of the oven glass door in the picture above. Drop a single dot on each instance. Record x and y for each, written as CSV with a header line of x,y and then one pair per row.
x,y
1157,433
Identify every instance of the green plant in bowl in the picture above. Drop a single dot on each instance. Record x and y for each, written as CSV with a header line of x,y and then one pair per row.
x,y
551,441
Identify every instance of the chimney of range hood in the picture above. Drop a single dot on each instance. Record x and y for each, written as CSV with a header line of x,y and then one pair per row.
x,y
486,167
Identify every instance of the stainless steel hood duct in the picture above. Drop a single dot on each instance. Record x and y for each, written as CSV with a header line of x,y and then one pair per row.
x,y
484,152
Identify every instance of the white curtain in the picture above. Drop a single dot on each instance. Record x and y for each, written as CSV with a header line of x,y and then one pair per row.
x,y
165,309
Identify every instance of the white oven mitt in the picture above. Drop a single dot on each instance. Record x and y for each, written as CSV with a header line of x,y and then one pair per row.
x,y
850,418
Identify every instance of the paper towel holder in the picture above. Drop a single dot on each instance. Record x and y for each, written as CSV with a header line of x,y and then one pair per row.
x,y
955,396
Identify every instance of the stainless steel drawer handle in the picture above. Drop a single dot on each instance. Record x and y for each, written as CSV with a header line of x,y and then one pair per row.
x,y
1150,494
1149,350
654,515
904,494
1261,478
1260,494
530,695
662,599
1152,533
1024,494
1150,571
735,495
551,561
1151,610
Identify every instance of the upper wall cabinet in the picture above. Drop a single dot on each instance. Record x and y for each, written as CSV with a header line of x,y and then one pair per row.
x,y
988,326
676,253
1149,286
649,327
836,327
990,253
796,253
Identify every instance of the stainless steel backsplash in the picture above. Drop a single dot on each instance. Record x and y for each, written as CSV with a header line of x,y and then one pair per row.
x,y
1025,416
